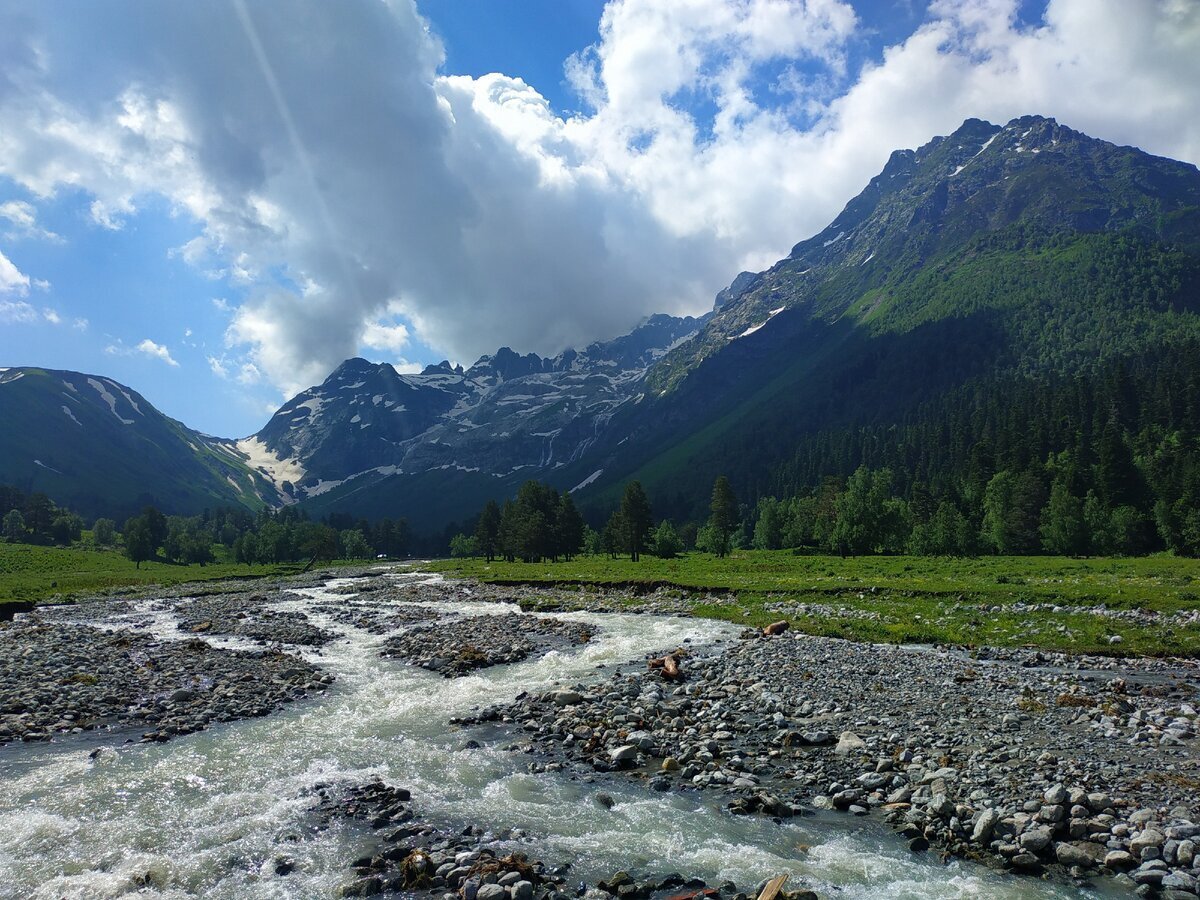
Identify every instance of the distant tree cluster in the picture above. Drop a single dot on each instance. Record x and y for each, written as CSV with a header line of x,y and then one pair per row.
x,y
539,524
35,519
232,534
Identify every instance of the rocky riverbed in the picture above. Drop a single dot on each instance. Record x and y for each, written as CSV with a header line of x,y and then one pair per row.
x,y
58,678
1059,768
462,645
249,616
1074,767
472,863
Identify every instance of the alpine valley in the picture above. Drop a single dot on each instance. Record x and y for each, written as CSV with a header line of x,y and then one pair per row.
x,y
989,272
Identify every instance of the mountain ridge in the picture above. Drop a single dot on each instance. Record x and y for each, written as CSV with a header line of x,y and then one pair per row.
x,y
994,249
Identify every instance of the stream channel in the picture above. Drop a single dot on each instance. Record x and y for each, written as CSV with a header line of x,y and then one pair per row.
x,y
205,815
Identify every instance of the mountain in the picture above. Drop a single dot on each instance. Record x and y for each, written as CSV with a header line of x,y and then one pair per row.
x,y
100,448
993,254
437,444
999,295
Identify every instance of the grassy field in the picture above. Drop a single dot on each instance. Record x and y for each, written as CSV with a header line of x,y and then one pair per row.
x,y
38,574
1112,606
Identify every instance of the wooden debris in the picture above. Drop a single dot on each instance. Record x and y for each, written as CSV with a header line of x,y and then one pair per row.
x,y
668,665
773,888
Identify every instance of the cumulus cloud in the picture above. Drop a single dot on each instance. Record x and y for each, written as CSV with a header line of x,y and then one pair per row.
x,y
146,347
51,316
12,280
382,336
158,351
22,221
17,312
346,181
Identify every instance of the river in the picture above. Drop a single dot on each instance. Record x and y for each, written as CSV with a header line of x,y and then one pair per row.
x,y
207,814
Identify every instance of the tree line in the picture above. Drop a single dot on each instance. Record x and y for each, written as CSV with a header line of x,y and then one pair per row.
x,y
540,524
229,534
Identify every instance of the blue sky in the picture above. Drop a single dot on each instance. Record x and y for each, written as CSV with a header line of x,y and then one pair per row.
x,y
216,204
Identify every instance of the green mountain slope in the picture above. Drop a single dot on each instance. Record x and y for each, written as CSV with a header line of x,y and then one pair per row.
x,y
989,254
101,448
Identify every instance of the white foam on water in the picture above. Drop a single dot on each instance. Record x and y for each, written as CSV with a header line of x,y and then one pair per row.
x,y
206,815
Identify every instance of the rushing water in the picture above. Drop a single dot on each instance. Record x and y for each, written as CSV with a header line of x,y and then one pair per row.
x,y
207,814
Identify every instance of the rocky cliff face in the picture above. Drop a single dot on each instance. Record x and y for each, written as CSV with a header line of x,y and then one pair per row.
x,y
504,414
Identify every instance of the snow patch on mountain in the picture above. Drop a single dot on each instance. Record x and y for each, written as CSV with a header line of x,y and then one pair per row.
x,y
109,399
587,481
276,469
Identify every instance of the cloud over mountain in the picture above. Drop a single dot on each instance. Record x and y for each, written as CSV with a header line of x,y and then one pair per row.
x,y
360,194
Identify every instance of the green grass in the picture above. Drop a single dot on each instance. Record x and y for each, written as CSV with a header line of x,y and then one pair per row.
x,y
971,602
38,574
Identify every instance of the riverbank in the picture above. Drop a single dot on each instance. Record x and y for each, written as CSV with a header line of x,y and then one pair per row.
x,y
31,574
578,753
1148,606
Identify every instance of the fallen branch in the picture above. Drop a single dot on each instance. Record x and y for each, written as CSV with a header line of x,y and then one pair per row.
x,y
668,665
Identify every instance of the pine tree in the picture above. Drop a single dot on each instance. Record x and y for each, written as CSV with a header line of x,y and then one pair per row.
x,y
723,513
487,531
570,527
636,519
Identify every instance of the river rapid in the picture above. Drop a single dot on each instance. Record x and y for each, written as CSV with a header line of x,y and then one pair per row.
x,y
208,814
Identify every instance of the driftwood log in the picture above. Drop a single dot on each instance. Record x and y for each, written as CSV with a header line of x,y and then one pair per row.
x,y
775,628
668,665
773,887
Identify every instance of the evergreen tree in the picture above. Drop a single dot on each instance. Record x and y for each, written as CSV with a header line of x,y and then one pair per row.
x,y
723,514
1012,507
487,531
636,519
1063,528
613,537
39,514
570,527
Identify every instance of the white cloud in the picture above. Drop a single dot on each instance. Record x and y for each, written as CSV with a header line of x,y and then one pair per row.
x,y
381,336
146,347
51,316
360,173
218,367
12,280
249,374
80,324
22,220
17,312
158,351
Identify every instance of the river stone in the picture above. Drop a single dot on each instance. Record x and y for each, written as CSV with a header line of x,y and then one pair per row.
x,y
983,827
1151,837
623,756
491,892
849,742
1036,839
1080,853
523,890
566,697
1179,881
